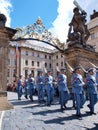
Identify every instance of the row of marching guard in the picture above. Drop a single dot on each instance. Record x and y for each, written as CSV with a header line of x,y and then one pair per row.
x,y
45,87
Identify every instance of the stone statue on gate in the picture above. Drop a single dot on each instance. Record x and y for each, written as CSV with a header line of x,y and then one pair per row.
x,y
78,30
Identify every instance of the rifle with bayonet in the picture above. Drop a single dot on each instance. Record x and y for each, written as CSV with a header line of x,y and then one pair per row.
x,y
70,68
93,65
82,68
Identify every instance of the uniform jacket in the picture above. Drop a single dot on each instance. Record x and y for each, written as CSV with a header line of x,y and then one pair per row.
x,y
77,83
91,84
49,82
40,80
62,83
31,82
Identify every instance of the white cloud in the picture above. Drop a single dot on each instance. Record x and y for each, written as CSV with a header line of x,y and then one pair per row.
x,y
65,13
5,8
60,25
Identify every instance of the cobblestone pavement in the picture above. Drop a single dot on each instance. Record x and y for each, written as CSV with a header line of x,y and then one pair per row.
x,y
28,115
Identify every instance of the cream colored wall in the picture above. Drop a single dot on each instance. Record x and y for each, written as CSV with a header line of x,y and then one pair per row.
x,y
93,28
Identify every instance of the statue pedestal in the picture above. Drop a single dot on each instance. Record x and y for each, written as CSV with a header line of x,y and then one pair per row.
x,y
77,54
5,36
4,104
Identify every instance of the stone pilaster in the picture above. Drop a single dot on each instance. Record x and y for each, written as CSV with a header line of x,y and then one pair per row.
x,y
5,36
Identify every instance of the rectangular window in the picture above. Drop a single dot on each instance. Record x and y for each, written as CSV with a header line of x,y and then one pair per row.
x,y
32,63
26,73
50,57
26,53
50,65
32,72
38,64
61,64
56,56
45,56
26,62
45,65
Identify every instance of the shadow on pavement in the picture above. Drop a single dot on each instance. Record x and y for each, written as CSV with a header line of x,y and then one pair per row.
x,y
60,120
45,112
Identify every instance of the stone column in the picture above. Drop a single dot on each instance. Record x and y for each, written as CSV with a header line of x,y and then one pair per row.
x,y
6,35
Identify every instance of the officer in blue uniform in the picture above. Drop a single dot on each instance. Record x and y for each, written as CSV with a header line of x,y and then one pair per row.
x,y
77,84
49,88
91,89
31,86
40,87
63,89
19,87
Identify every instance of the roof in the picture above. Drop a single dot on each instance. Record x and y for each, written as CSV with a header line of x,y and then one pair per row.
x,y
32,45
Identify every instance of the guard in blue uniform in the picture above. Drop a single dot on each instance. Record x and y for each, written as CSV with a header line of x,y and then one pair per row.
x,y
91,89
63,89
40,87
26,87
73,91
31,87
19,87
77,84
49,88
97,77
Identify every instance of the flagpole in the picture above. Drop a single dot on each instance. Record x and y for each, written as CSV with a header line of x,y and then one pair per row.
x,y
16,55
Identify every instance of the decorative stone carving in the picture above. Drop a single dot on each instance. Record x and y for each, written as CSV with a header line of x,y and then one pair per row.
x,y
3,20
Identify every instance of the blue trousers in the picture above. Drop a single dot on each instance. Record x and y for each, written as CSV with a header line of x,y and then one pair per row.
x,y
80,100
73,100
26,90
31,92
50,94
83,98
64,97
19,92
93,100
41,92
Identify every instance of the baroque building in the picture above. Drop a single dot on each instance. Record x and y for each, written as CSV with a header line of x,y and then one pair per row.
x,y
93,28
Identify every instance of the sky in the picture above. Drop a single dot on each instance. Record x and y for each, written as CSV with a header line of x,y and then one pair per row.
x,y
55,14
